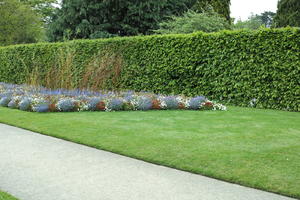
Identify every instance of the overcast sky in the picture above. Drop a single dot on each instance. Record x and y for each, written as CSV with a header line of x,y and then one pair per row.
x,y
243,8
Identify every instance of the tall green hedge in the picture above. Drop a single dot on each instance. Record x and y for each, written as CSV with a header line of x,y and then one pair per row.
x,y
232,66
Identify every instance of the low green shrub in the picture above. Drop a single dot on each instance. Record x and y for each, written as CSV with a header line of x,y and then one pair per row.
x,y
259,68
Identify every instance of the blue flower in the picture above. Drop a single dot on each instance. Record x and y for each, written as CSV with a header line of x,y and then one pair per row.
x,y
144,103
195,103
41,107
5,101
115,104
92,104
171,102
13,104
25,104
66,105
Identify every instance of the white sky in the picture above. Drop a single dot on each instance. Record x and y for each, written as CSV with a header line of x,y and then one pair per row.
x,y
243,8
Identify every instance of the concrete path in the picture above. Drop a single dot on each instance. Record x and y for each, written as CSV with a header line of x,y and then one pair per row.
x,y
38,167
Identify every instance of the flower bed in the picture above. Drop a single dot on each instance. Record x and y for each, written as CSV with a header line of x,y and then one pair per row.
x,y
40,99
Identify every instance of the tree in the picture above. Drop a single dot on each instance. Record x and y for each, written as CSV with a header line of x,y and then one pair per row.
x,y
288,13
222,7
267,18
106,18
44,7
18,23
191,22
256,21
91,18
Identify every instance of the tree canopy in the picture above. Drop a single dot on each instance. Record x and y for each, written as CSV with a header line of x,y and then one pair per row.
x,y
222,7
192,21
18,23
105,18
256,21
288,13
44,7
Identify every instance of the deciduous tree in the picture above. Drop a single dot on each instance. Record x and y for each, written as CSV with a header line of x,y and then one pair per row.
x,y
18,23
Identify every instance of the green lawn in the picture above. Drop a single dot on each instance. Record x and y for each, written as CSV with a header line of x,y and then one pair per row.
x,y
5,196
252,147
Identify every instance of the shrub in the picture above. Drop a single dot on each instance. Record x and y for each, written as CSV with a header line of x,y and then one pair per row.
x,y
171,102
66,105
5,101
192,21
196,102
115,104
44,107
231,66
93,104
25,104
144,103
13,104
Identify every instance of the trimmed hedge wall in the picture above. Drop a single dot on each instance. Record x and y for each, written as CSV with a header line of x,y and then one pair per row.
x,y
233,67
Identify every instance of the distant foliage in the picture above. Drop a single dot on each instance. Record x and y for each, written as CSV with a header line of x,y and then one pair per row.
x,y
45,8
222,7
77,19
256,21
288,13
252,23
191,22
19,23
104,19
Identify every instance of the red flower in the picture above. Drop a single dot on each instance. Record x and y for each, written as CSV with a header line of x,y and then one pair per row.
x,y
208,104
100,105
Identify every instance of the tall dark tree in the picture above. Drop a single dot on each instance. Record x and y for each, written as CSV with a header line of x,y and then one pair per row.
x,y
106,18
267,18
288,13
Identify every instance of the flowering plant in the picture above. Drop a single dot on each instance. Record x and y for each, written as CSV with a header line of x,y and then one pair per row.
x,y
40,99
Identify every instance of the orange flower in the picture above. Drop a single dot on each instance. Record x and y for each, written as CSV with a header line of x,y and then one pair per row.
x,y
156,104
181,105
52,107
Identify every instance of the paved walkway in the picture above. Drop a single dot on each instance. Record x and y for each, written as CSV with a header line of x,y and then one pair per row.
x,y
38,167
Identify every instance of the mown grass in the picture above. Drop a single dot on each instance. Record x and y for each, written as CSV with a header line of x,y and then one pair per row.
x,y
5,196
251,147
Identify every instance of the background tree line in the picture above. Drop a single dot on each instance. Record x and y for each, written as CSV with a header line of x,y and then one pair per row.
x,y
29,21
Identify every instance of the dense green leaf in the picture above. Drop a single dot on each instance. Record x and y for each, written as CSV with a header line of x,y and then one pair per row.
x,y
237,67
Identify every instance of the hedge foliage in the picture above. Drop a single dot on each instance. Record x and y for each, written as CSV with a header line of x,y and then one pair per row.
x,y
235,67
